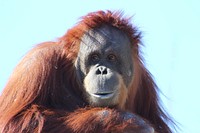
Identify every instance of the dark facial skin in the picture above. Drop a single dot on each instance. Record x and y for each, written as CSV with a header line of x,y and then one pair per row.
x,y
105,65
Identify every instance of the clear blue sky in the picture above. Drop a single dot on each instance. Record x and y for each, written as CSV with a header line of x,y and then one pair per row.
x,y
171,31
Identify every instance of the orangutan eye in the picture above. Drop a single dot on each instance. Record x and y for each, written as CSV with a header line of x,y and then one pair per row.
x,y
112,57
95,57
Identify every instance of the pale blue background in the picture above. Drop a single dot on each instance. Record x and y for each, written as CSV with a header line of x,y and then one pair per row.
x,y
171,31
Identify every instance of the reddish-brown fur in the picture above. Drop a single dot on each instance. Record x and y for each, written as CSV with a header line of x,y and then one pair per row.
x,y
36,99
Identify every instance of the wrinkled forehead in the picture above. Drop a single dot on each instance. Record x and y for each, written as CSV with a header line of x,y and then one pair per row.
x,y
106,37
